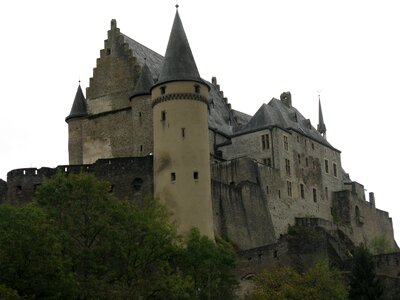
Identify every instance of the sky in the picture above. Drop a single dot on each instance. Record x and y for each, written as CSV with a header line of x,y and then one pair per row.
x,y
347,50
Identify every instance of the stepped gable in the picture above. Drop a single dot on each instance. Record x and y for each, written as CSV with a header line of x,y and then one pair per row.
x,y
145,55
278,114
79,106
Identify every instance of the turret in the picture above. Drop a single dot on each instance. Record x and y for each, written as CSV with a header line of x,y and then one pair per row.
x,y
182,177
75,124
321,125
142,114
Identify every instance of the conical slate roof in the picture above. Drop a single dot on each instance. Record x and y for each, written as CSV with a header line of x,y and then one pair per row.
x,y
79,106
179,63
144,83
321,125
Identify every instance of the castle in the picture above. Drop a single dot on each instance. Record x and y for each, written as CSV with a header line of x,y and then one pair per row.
x,y
151,126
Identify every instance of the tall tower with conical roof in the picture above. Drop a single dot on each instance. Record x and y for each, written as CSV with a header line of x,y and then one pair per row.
x,y
182,177
142,114
75,120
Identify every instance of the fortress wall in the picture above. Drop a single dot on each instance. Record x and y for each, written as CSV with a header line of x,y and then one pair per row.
x,y
239,204
3,191
388,264
369,225
107,135
130,178
142,126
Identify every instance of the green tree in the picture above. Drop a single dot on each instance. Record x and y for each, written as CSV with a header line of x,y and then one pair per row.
x,y
318,283
31,261
211,266
364,285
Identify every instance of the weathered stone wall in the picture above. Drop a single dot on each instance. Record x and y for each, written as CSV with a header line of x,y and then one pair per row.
x,y
142,126
130,178
368,224
75,143
108,135
388,264
3,191
115,75
240,206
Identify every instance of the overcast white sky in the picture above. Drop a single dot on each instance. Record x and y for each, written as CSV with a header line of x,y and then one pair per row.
x,y
349,50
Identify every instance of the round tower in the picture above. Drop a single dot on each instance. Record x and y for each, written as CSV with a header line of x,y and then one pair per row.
x,y
182,179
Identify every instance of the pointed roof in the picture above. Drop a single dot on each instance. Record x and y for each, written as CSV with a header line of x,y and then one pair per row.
x,y
79,106
144,83
321,125
178,63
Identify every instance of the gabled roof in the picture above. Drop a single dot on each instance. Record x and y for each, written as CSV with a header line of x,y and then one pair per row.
x,y
179,62
79,106
278,114
144,83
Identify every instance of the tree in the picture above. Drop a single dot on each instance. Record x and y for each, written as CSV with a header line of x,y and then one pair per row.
x,y
318,283
31,261
364,285
211,266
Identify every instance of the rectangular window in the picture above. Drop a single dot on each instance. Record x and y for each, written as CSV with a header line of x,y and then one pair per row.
x,y
163,115
287,166
334,170
162,90
173,177
141,149
269,162
326,193
302,191
183,132
196,175
299,158
267,190
314,194
289,188
279,194
265,141
140,118
306,161
326,166
285,143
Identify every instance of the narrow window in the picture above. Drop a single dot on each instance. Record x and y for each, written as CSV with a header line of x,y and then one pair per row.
x,y
196,175
162,89
326,193
173,177
326,166
269,162
289,188
334,170
197,89
140,118
306,161
287,166
141,149
267,141
299,158
263,145
267,190
111,188
264,161
163,115
285,143
108,51
183,132
279,194
302,191
312,146
314,194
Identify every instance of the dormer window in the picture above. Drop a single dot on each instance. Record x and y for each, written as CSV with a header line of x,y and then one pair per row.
x,y
162,89
197,89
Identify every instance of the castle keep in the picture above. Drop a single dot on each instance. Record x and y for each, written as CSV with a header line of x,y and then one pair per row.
x,y
151,126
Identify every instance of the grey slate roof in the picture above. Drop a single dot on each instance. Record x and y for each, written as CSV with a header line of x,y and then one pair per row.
x,y
145,55
79,106
321,125
179,63
144,83
278,114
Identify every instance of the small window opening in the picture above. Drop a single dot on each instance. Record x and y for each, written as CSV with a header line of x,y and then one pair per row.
x,y
279,194
24,172
275,253
111,188
314,193
306,161
163,115
196,175
287,166
173,177
18,188
334,170
183,132
302,191
285,143
289,188
312,146
141,149
36,172
108,51
197,89
162,89
326,166
326,193
267,190
299,158
269,162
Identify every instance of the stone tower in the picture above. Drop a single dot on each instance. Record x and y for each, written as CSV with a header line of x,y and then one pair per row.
x,y
142,114
181,146
75,124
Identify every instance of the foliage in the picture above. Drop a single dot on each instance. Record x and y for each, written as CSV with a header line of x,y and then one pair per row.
x,y
210,265
8,293
363,281
318,283
31,261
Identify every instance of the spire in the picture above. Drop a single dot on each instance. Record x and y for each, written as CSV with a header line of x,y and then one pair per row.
x,y
321,125
179,63
144,83
79,106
